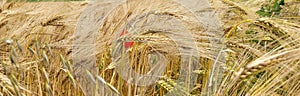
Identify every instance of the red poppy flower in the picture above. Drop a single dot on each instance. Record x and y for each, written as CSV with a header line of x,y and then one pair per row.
x,y
126,44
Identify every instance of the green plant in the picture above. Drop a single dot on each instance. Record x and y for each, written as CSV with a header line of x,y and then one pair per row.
x,y
271,10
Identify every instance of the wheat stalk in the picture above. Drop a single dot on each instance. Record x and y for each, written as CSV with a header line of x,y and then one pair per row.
x,y
265,61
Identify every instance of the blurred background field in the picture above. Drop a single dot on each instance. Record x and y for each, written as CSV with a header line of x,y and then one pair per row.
x,y
42,0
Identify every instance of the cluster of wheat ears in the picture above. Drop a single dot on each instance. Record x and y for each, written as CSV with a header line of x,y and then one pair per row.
x,y
258,55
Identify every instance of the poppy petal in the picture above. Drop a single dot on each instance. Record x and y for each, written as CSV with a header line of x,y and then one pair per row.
x,y
126,44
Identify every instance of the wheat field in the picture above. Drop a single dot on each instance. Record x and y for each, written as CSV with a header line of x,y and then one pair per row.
x,y
51,48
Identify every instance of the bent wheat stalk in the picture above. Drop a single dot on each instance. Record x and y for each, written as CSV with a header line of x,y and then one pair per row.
x,y
265,61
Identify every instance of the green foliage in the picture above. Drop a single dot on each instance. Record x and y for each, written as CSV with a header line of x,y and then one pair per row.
x,y
271,10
